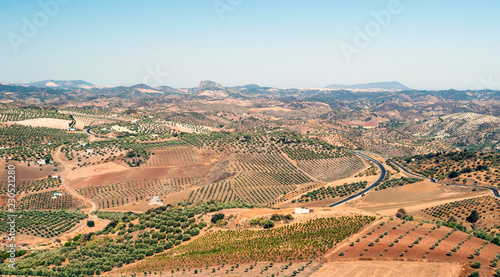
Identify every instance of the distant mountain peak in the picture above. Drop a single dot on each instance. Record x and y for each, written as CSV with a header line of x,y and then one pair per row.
x,y
372,86
210,85
217,91
62,84
143,86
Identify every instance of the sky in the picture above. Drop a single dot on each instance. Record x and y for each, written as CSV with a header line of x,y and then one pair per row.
x,y
423,44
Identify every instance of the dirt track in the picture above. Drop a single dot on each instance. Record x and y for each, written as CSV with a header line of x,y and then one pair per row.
x,y
83,223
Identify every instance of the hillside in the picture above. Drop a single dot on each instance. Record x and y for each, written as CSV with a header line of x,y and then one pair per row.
x,y
461,129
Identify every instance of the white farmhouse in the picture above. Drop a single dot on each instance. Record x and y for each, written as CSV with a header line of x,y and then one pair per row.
x,y
303,210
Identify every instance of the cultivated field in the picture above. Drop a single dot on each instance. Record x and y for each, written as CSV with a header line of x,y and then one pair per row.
x,y
119,194
329,170
260,178
177,156
465,167
180,185
393,239
301,241
488,208
45,224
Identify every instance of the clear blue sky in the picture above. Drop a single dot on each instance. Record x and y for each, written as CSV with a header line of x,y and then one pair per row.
x,y
282,43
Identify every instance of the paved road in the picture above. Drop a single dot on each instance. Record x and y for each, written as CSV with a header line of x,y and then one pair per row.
x,y
409,172
493,189
383,173
89,132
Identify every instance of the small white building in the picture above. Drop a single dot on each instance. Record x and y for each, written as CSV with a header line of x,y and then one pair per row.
x,y
155,199
90,151
41,162
303,210
70,129
55,177
56,194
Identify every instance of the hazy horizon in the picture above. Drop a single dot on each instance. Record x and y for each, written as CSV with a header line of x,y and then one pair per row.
x,y
422,44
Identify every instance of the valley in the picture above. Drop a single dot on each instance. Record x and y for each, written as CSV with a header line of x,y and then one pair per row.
x,y
216,181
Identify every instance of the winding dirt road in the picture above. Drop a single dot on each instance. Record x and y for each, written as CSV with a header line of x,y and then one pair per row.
x,y
93,206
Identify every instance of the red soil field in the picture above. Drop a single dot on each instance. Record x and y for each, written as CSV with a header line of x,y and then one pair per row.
x,y
408,233
89,176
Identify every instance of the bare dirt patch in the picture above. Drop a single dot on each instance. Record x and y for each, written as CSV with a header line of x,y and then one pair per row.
x,y
23,171
412,197
22,240
279,109
388,268
109,173
46,122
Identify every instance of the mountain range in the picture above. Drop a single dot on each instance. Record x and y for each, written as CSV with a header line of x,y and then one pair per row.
x,y
392,98
213,86
371,86
63,84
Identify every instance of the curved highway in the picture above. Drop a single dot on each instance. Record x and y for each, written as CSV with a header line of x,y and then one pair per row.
x,y
494,190
383,173
89,132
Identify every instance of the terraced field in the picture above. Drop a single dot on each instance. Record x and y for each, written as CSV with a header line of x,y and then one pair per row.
x,y
119,194
175,156
329,170
260,179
